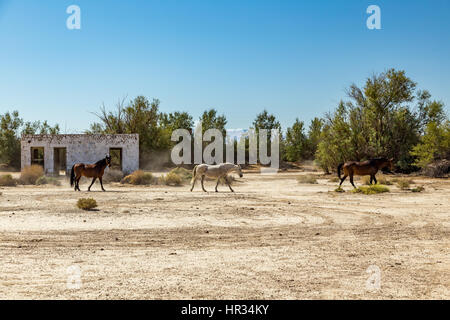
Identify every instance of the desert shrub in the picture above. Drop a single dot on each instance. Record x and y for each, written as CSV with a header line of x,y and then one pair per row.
x,y
30,174
372,189
113,175
139,177
307,179
171,179
48,180
86,203
437,169
7,181
418,189
404,183
339,189
183,173
334,179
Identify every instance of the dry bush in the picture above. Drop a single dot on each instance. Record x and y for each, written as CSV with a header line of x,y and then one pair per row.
x,y
170,179
86,203
7,181
113,175
185,174
139,177
437,169
418,189
404,183
30,174
307,179
372,189
47,180
334,179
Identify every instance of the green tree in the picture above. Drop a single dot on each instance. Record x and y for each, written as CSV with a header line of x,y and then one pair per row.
x,y
10,124
267,121
11,128
211,120
377,121
435,142
314,132
140,116
296,142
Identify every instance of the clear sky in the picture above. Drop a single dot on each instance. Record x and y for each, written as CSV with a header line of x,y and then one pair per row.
x,y
294,58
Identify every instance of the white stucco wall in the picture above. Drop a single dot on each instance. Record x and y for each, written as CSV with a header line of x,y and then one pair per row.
x,y
85,148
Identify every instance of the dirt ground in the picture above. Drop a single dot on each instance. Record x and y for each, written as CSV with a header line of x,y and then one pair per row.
x,y
272,239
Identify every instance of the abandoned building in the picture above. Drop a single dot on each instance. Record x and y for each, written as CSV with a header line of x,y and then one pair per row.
x,y
59,152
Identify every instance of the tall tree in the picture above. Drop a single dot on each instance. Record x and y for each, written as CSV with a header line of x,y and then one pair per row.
x,y
296,142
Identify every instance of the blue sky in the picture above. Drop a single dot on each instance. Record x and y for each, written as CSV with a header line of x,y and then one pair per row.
x,y
294,58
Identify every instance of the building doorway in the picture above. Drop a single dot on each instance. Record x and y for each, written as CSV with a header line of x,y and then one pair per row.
x,y
59,161
37,156
116,158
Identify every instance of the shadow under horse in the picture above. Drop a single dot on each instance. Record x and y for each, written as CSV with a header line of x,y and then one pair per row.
x,y
94,171
364,168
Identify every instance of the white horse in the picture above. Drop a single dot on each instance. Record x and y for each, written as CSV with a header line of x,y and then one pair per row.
x,y
215,171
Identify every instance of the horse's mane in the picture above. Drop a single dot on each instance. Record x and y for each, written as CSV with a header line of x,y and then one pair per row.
x,y
379,159
101,161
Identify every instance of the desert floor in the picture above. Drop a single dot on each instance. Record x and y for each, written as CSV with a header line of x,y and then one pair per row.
x,y
272,239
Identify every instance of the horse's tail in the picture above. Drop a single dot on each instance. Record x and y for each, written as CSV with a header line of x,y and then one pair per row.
x,y
194,172
339,170
72,176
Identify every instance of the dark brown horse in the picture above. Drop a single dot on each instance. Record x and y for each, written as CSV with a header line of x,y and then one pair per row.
x,y
364,168
94,171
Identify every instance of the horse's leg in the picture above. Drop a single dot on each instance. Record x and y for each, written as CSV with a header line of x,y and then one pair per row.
x,y
194,180
342,180
101,183
203,187
351,181
93,180
375,179
77,182
228,183
371,179
218,179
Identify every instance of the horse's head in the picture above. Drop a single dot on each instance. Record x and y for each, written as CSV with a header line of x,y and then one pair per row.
x,y
108,161
239,170
389,163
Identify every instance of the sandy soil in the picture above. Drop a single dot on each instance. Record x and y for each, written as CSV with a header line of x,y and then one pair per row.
x,y
272,239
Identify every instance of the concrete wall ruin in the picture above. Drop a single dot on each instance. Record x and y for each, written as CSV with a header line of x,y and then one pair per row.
x,y
82,148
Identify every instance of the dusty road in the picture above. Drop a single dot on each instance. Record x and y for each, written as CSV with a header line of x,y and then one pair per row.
x,y
272,239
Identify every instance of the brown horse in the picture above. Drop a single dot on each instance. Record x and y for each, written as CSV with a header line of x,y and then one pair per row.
x,y
94,171
364,168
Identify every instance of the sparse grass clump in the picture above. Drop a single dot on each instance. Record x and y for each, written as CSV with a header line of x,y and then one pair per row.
x,y
339,189
86,203
7,181
334,179
418,189
185,174
307,179
404,183
372,189
139,177
113,175
171,179
30,174
47,180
